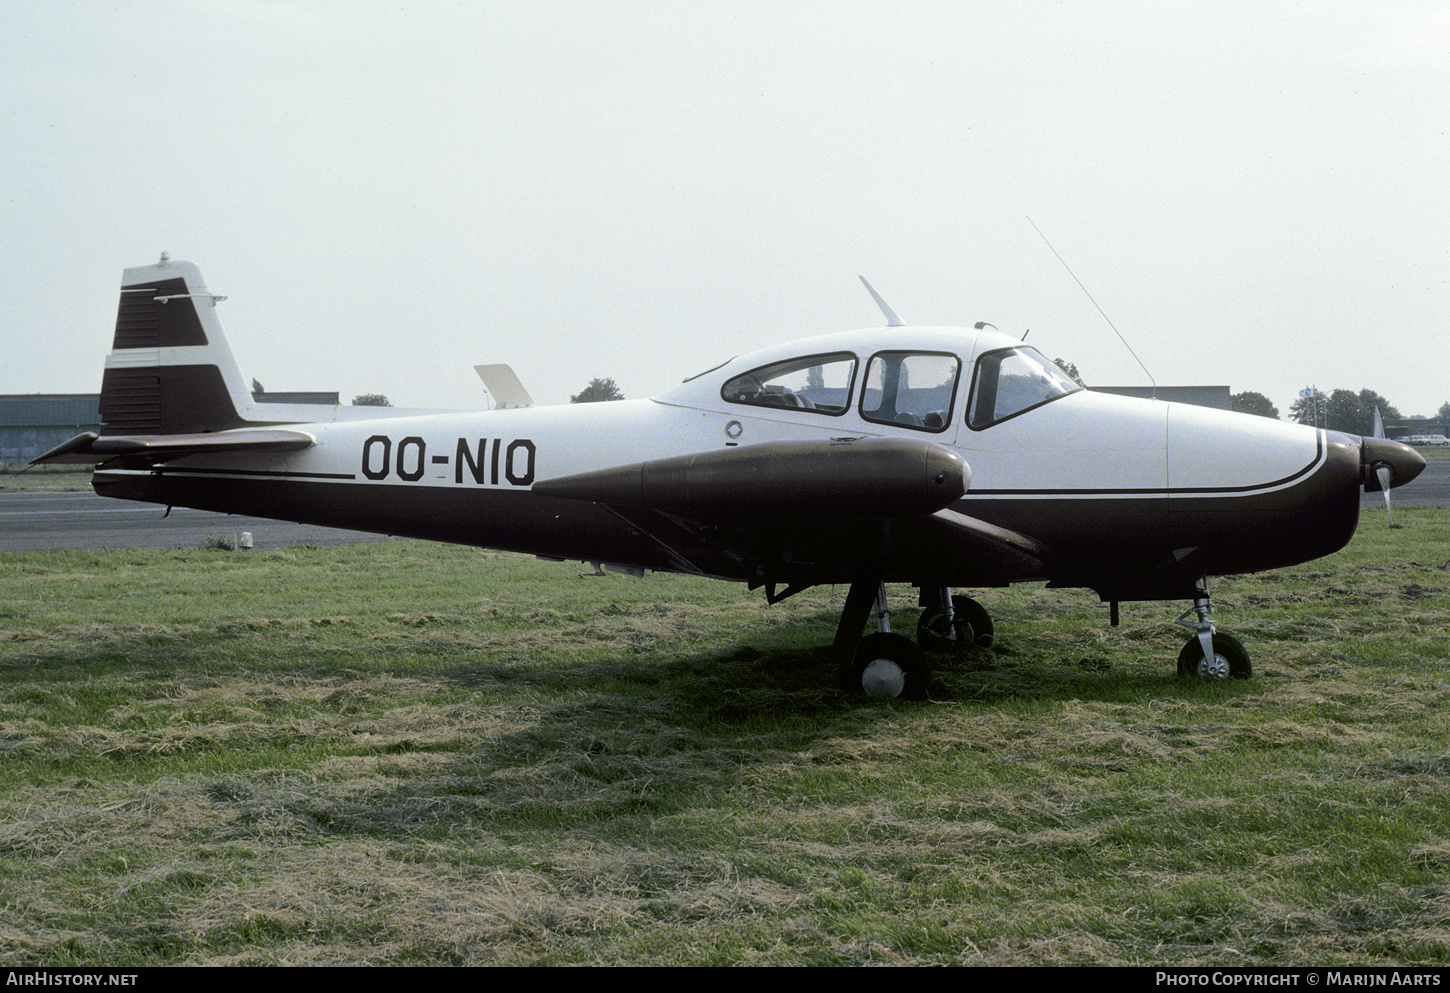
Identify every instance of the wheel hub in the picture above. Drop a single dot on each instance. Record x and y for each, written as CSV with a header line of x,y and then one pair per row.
x,y
1214,668
883,677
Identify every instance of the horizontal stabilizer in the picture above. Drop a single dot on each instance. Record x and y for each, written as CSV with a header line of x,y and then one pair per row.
x,y
90,447
828,479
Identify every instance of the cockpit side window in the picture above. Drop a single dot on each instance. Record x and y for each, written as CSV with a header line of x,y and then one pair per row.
x,y
819,383
1011,382
910,389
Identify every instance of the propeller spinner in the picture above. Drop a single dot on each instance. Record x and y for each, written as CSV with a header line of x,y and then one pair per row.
x,y
1385,464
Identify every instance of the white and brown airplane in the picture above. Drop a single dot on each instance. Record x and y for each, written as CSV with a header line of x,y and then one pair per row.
x,y
936,456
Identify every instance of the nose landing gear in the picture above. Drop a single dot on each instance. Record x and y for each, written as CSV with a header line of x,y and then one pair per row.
x,y
1210,654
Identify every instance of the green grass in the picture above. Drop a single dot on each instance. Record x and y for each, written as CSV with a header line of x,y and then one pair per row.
x,y
38,479
408,753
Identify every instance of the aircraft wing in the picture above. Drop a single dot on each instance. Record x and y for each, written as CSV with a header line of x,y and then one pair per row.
x,y
855,478
812,512
90,447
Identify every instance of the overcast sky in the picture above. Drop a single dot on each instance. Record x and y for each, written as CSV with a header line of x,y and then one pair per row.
x,y
1257,193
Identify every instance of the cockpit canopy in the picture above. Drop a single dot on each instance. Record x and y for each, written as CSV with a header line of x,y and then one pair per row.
x,y
906,388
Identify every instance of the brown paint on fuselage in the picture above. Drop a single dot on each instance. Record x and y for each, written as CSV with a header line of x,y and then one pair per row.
x,y
1124,547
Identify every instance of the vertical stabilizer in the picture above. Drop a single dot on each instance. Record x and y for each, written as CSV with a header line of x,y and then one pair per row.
x,y
170,370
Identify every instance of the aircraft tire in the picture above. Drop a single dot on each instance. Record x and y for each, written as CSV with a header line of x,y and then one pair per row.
x,y
976,615
1231,660
972,622
931,636
887,665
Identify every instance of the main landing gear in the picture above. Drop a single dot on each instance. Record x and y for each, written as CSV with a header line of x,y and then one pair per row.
x,y
1210,654
950,623
888,664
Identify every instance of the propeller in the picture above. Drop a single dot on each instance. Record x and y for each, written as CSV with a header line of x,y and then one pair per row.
x,y
1386,476
1385,464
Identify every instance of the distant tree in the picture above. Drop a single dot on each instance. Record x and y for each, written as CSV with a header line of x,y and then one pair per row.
x,y
1253,403
1389,413
370,400
1070,369
598,390
257,387
1307,410
1347,411
1444,412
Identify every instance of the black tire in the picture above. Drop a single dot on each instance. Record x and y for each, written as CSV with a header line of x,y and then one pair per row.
x,y
975,615
970,619
1231,659
931,634
887,665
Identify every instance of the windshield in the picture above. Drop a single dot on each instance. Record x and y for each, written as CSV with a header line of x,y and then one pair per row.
x,y
1012,381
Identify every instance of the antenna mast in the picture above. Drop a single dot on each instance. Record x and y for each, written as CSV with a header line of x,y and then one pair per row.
x,y
1100,310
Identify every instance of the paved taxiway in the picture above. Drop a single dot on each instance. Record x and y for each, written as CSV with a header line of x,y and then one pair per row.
x,y
36,521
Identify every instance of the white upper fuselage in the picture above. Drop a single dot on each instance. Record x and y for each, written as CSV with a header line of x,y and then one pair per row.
x,y
1079,444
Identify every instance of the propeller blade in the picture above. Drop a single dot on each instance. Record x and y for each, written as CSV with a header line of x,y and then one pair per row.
x,y
1386,476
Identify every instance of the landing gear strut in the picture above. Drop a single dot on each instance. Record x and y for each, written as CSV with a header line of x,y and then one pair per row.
x,y
951,623
887,664
1210,654
881,664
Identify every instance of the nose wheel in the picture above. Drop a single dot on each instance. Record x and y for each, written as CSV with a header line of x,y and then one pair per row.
x,y
1227,659
1210,654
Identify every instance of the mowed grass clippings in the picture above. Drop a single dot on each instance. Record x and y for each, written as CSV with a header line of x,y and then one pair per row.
x,y
408,753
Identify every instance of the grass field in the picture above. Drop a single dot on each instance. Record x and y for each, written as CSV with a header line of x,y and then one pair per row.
x,y
44,480
408,753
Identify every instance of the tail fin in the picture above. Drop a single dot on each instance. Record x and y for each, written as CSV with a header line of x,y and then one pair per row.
x,y
170,370
172,387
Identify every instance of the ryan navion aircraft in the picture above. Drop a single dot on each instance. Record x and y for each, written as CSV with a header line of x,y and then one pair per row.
x,y
936,456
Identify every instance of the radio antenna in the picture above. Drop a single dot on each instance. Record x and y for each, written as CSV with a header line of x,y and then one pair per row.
x,y
1095,304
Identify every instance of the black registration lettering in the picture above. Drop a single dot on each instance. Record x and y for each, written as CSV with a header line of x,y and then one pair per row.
x,y
481,461
413,472
377,456
466,458
520,476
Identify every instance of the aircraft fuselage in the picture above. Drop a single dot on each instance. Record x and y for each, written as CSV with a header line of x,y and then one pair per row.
x,y
1134,498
